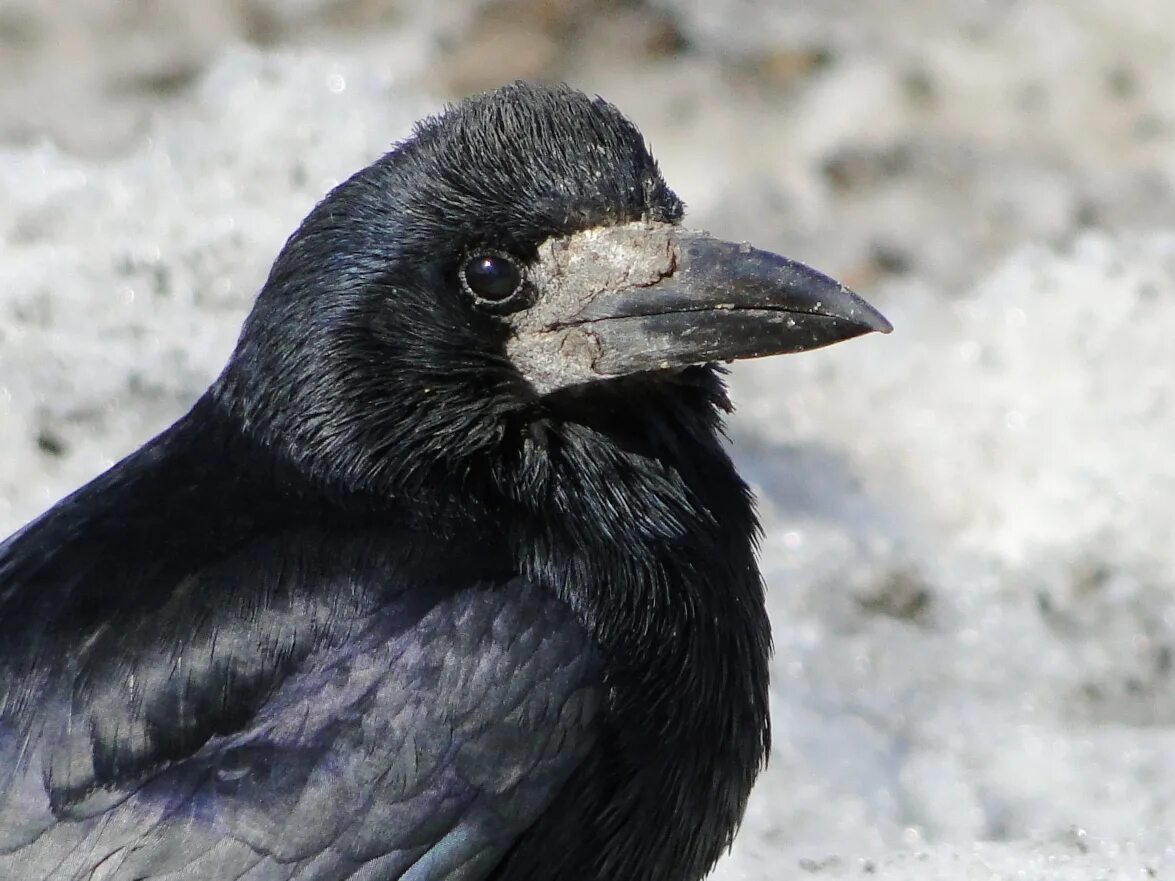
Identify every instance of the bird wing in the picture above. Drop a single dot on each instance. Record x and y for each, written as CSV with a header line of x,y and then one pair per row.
x,y
322,728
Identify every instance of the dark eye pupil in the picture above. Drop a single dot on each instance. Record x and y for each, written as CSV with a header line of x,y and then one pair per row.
x,y
492,278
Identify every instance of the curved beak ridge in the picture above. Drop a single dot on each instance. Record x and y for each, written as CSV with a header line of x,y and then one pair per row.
x,y
722,301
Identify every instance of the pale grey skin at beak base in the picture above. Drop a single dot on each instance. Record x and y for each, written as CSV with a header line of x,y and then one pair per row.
x,y
614,301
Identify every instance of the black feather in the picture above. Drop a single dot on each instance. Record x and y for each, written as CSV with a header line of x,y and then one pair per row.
x,y
375,609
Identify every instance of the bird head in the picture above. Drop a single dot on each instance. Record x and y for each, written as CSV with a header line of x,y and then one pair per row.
x,y
518,259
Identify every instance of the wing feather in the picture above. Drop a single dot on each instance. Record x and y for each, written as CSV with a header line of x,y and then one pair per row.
x,y
341,717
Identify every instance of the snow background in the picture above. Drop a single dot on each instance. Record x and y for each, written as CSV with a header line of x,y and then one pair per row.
x,y
969,522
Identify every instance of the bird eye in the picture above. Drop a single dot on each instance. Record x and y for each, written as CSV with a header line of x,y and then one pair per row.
x,y
491,277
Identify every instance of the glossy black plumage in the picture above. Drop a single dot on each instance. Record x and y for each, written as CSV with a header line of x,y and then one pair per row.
x,y
381,607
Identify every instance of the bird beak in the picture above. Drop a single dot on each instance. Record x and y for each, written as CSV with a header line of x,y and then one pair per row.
x,y
685,298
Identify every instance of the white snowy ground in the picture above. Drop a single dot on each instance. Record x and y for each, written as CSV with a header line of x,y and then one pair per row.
x,y
968,523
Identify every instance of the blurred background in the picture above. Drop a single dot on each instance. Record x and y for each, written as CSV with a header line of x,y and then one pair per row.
x,y
968,523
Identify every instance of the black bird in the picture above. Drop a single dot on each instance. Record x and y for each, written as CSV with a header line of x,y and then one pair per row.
x,y
448,575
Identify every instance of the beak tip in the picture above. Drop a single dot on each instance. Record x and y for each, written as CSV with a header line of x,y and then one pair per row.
x,y
868,317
